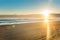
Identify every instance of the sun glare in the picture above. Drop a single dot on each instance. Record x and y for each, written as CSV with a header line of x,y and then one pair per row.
x,y
46,13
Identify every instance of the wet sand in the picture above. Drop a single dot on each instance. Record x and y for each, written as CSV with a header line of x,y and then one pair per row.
x,y
30,31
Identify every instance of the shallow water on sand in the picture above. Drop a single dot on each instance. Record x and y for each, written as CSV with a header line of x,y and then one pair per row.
x,y
30,31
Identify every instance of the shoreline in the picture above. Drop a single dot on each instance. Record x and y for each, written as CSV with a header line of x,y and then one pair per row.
x,y
28,31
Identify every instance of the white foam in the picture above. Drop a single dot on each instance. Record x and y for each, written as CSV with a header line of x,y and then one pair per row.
x,y
23,21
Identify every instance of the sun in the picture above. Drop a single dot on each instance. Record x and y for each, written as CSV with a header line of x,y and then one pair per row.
x,y
46,12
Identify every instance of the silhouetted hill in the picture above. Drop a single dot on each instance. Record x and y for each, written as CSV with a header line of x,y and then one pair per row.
x,y
28,16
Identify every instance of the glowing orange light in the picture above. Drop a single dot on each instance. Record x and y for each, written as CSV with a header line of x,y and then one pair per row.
x,y
46,13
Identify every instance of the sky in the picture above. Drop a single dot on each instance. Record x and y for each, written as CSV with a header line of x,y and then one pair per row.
x,y
18,7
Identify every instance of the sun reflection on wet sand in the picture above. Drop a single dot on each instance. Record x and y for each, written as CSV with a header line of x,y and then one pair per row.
x,y
46,12
48,27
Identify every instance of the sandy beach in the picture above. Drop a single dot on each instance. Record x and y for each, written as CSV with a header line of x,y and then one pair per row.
x,y
29,31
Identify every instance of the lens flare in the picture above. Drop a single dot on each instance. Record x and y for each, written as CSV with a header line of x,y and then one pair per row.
x,y
13,26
